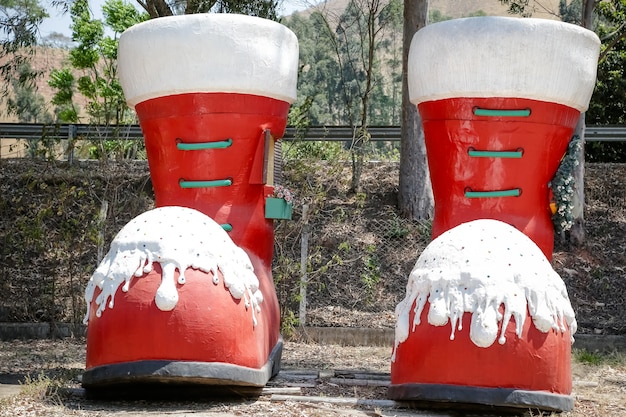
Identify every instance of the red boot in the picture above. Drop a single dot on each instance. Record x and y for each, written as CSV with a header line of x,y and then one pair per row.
x,y
499,104
499,99
487,163
211,92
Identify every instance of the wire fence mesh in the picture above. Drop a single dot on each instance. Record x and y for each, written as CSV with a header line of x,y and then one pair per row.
x,y
353,261
358,254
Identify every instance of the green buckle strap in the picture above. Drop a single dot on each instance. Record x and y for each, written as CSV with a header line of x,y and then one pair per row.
x,y
203,145
515,192
516,154
205,184
501,113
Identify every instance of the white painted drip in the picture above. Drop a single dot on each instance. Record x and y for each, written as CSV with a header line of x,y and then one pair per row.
x,y
177,238
476,268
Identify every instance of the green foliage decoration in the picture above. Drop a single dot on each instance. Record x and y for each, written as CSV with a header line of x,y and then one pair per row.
x,y
563,187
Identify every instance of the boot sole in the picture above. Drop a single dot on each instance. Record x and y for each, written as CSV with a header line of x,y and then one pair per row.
x,y
479,398
166,379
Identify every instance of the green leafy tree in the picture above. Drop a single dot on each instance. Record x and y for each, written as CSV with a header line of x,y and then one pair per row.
x,y
387,98
29,107
358,38
317,81
24,102
64,82
608,104
96,57
341,69
435,16
57,40
262,8
572,12
318,99
92,73
19,24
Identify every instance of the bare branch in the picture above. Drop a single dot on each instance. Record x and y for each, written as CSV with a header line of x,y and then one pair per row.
x,y
618,35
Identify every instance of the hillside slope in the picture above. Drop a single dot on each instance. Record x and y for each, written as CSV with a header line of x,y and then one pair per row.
x,y
547,9
44,60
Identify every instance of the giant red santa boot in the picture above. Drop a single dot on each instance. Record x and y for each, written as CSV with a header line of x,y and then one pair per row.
x,y
486,321
499,100
186,293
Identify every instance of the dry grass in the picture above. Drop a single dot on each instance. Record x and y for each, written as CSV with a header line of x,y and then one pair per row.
x,y
600,389
48,370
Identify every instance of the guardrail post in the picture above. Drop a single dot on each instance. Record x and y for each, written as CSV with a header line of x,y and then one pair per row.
x,y
304,255
71,135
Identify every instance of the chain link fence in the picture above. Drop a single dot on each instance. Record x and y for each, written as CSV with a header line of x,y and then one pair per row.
x,y
353,256
349,251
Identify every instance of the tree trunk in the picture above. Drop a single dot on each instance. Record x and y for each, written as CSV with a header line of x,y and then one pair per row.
x,y
587,17
156,8
362,137
577,232
415,196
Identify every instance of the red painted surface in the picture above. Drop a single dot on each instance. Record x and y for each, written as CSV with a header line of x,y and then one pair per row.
x,y
537,361
451,128
208,324
210,117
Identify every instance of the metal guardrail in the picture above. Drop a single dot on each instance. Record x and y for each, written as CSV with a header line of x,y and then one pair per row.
x,y
605,133
314,133
64,131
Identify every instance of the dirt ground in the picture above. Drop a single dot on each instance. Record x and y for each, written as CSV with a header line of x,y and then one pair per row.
x,y
50,370
311,378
